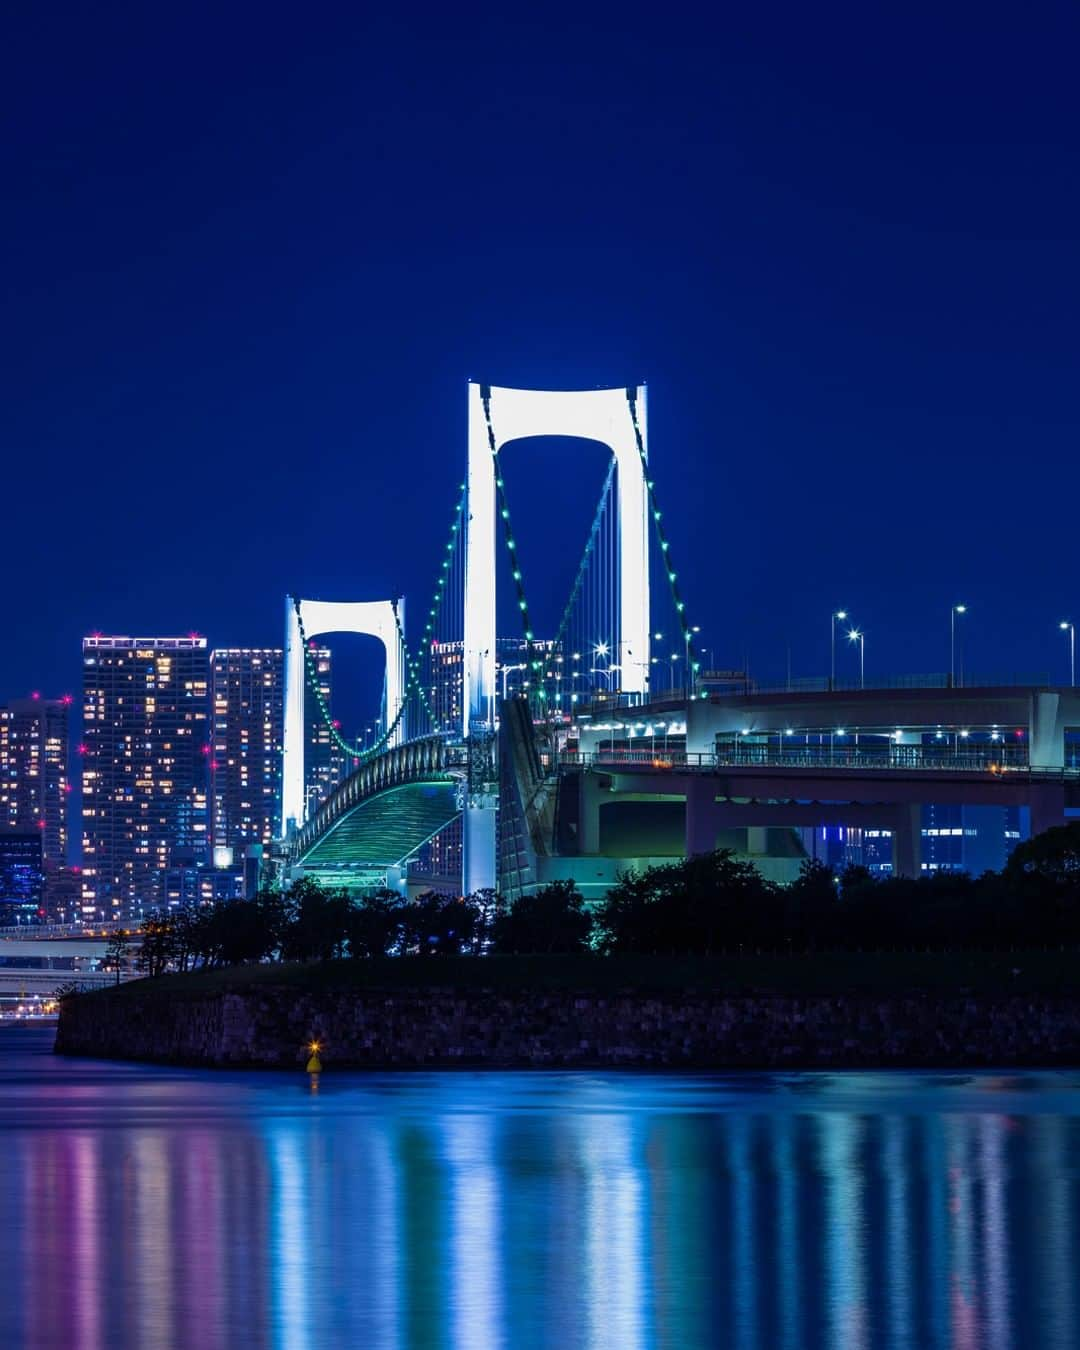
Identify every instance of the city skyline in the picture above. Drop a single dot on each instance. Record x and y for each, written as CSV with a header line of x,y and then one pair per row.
x,y
539,732
1052,660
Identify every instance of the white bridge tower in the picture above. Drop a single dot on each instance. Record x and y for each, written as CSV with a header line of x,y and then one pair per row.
x,y
602,415
373,618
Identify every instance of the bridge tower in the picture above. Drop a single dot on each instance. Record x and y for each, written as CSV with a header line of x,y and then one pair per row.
x,y
602,415
374,618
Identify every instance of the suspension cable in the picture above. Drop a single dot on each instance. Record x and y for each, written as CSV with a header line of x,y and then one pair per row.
x,y
354,751
413,682
590,550
413,663
680,608
504,513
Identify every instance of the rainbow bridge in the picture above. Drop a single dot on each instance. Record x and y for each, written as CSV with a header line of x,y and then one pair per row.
x,y
596,748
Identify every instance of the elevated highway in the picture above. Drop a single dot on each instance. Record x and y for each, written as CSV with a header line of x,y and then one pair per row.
x,y
868,759
57,948
54,962
722,796
15,983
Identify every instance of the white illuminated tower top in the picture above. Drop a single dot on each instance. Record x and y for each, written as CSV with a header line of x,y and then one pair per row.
x,y
602,415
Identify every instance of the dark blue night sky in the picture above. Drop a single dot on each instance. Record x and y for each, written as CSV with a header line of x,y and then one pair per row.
x,y
252,254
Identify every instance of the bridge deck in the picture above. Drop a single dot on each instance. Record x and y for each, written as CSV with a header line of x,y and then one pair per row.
x,y
383,830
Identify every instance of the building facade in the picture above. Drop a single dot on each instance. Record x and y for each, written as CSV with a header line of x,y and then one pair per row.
x,y
248,702
21,877
512,675
325,763
145,767
34,784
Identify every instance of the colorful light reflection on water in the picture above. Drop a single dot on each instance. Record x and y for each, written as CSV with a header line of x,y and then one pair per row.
x,y
144,1207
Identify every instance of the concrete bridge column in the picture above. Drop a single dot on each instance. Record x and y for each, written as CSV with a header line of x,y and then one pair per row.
x,y
1047,805
589,814
701,816
700,727
907,840
1046,734
757,840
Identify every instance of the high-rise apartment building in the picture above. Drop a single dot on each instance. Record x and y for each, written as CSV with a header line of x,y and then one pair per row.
x,y
146,754
446,692
325,763
247,692
34,783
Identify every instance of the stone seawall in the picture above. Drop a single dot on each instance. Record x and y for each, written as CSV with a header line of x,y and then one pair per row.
x,y
446,1028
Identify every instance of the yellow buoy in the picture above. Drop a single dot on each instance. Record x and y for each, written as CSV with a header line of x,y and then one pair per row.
x,y
314,1064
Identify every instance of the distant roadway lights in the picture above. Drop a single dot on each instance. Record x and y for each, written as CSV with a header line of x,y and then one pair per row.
x,y
836,614
956,609
855,636
1072,650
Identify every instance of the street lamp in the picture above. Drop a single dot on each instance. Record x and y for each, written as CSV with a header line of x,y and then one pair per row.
x,y
837,614
956,609
1072,650
643,666
507,670
689,665
855,636
576,658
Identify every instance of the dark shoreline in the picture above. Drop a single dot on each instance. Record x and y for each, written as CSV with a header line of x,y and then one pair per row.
x,y
593,1013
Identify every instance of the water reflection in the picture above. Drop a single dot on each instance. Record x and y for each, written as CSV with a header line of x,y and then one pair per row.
x,y
147,1208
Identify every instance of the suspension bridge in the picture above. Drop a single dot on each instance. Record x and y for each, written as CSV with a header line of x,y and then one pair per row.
x,y
439,757
522,747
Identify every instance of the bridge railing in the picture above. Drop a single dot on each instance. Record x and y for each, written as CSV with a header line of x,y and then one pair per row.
x,y
881,683
426,757
900,758
106,928
877,756
654,759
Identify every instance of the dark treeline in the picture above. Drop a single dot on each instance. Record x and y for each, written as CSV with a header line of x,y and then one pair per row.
x,y
312,923
712,903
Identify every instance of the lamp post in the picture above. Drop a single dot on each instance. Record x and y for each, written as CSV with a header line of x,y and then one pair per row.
x,y
690,690
643,666
606,672
956,609
836,614
507,670
860,638
574,674
1072,651
601,649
